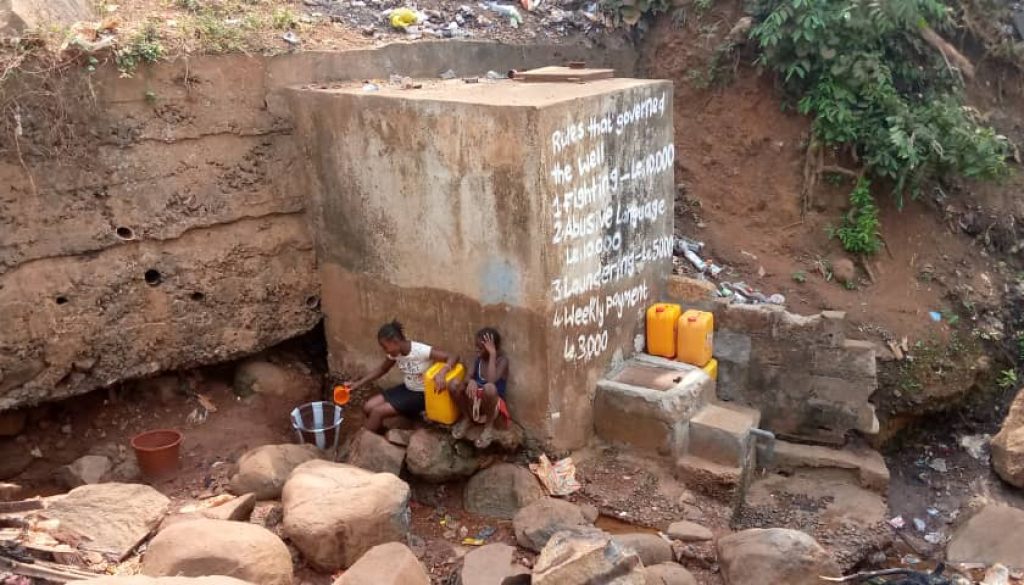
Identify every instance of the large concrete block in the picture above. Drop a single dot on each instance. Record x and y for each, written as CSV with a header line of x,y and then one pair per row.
x,y
853,360
546,209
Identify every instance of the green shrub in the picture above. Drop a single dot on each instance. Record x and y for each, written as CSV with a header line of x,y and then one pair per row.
x,y
859,230
878,91
142,47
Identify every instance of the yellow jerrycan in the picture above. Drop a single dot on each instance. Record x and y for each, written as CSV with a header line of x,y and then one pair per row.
x,y
696,337
441,407
662,321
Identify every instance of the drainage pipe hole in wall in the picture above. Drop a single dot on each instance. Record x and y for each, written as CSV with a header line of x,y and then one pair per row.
x,y
313,302
197,296
124,233
153,277
60,300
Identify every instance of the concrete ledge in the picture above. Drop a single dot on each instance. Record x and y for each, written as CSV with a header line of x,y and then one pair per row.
x,y
868,465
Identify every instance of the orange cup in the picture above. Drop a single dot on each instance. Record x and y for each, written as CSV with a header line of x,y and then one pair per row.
x,y
342,393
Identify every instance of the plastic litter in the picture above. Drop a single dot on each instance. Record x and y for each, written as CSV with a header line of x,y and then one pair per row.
x,y
514,18
450,74
370,87
403,18
531,5
920,525
897,522
558,479
291,38
933,537
939,465
935,316
997,574
975,445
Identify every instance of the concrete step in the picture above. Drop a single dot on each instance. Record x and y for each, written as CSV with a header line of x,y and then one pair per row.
x,y
720,433
864,463
723,482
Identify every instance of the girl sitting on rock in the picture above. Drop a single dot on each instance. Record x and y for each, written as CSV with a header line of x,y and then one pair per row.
x,y
413,359
482,398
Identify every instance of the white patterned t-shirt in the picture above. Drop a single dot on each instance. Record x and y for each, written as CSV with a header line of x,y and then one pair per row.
x,y
414,365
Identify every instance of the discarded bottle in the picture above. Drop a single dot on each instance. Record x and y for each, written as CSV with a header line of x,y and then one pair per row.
x,y
514,18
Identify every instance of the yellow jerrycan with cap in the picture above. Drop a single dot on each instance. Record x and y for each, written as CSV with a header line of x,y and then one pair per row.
x,y
441,407
662,321
696,338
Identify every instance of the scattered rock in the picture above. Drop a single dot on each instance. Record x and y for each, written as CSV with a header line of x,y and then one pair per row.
x,y
264,470
844,271
1008,445
688,532
218,547
536,523
436,457
14,458
490,564
399,437
84,471
501,491
12,422
126,471
373,452
386,564
992,535
668,574
775,555
238,510
587,555
334,513
9,491
258,377
653,549
590,512
144,580
130,512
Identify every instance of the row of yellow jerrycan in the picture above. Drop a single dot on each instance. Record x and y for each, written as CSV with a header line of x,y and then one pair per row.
x,y
685,336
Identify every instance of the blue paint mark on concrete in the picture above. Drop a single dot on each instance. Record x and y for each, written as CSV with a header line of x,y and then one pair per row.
x,y
499,282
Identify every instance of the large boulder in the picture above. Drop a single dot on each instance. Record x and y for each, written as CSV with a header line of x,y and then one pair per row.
x,y
501,491
84,471
535,524
111,518
653,549
436,457
583,556
774,556
373,452
219,547
264,470
333,513
144,580
1008,445
239,509
992,535
19,16
490,564
258,377
668,574
386,564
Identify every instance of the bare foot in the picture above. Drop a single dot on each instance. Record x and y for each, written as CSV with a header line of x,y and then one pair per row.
x,y
461,428
486,437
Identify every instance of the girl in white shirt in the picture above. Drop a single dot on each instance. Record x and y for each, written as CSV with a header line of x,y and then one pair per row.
x,y
413,359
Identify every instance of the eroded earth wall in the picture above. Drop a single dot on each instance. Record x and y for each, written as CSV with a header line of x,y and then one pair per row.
x,y
158,222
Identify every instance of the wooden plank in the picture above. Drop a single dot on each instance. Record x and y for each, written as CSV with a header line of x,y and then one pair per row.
x,y
45,571
564,74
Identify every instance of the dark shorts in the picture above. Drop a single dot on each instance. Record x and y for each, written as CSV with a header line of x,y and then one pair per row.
x,y
406,402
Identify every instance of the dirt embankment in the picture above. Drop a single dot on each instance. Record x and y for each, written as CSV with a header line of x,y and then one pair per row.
x,y
740,170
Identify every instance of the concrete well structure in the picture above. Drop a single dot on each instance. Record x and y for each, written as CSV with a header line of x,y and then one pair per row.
x,y
544,209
